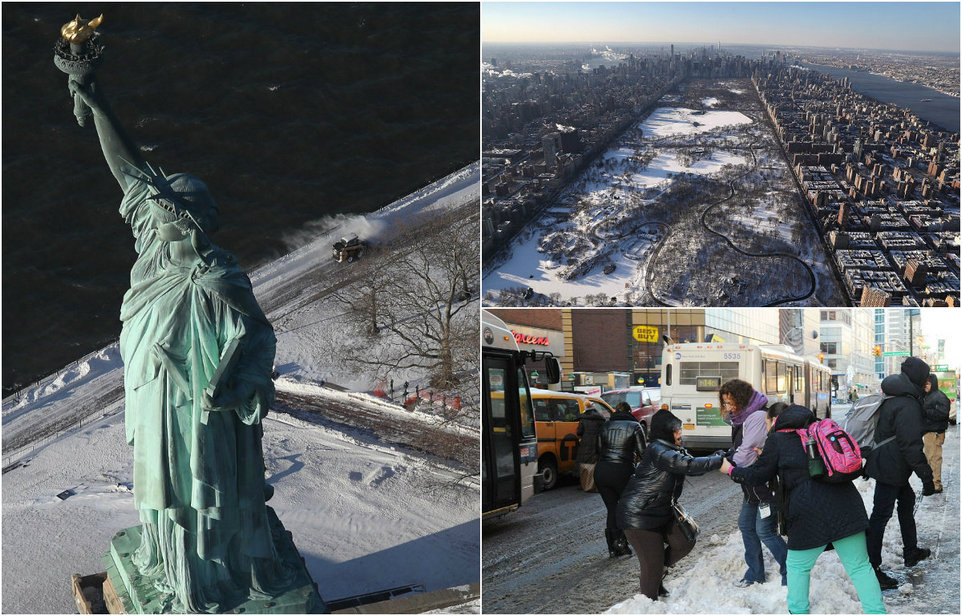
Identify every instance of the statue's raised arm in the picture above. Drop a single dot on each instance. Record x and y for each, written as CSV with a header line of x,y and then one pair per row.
x,y
119,149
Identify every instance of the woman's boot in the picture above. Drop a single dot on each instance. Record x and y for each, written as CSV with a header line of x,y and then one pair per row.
x,y
662,591
621,544
610,538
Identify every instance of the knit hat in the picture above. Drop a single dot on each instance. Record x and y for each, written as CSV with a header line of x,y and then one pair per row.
x,y
917,371
663,425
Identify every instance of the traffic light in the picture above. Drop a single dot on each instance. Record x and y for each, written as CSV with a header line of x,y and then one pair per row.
x,y
821,358
877,350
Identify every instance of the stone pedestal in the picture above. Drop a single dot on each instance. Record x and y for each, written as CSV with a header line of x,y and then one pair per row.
x,y
137,596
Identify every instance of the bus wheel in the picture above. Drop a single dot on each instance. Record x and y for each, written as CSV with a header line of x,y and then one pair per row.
x,y
549,472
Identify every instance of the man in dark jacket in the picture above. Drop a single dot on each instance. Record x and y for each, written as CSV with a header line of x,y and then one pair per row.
x,y
622,440
892,462
590,425
935,421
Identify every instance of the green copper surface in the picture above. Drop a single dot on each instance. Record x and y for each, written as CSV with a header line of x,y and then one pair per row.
x,y
206,541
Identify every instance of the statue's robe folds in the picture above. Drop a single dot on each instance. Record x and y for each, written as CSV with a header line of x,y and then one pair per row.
x,y
198,475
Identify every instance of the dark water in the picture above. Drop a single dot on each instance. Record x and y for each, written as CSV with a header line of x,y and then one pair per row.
x,y
289,112
942,110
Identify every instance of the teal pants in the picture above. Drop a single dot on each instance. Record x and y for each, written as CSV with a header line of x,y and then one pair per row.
x,y
854,556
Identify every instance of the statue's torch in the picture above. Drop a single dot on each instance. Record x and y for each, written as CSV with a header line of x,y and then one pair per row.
x,y
78,52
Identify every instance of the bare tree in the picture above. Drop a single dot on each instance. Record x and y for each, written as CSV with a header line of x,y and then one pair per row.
x,y
421,300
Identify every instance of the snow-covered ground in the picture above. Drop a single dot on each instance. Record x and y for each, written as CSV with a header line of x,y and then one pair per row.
x,y
702,582
365,514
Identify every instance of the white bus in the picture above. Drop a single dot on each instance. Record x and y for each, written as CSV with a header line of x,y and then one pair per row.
x,y
693,372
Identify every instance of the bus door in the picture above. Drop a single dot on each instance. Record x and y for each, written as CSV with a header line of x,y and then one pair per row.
x,y
501,478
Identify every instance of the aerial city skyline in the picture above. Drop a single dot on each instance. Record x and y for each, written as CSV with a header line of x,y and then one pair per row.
x,y
721,173
897,26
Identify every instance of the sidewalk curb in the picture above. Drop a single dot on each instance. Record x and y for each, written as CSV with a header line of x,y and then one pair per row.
x,y
419,603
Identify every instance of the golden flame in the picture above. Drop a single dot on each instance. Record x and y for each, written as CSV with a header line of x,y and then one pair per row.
x,y
77,32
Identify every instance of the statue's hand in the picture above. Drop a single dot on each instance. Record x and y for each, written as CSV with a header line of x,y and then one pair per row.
x,y
89,93
226,400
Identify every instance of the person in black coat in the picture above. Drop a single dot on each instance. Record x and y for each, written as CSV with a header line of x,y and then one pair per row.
x,y
817,514
645,512
621,440
590,425
935,421
898,454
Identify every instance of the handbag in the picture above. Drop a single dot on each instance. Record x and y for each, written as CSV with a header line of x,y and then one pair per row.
x,y
587,476
686,523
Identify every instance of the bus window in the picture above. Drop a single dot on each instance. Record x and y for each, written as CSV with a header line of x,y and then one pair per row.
x,y
668,374
799,380
771,381
782,378
694,373
527,417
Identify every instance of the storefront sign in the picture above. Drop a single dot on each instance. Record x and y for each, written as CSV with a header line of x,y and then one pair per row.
x,y
529,339
645,333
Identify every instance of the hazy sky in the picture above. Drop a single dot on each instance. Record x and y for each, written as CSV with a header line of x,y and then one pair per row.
x,y
919,26
944,323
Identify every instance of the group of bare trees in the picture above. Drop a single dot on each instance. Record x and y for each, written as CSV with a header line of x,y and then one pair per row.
x,y
416,299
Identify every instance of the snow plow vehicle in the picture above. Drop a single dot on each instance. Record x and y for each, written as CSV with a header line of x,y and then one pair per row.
x,y
349,249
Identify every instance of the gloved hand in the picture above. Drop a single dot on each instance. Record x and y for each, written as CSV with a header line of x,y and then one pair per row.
x,y
928,488
720,452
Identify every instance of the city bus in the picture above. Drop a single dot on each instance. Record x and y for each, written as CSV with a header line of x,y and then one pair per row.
x,y
693,372
509,442
949,385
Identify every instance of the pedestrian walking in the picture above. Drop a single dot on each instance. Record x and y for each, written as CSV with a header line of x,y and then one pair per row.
x,y
645,509
898,454
744,408
621,440
935,421
816,514
590,425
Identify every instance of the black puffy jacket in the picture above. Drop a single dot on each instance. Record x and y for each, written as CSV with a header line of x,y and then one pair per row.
x,y
935,412
901,417
645,503
589,428
621,438
818,513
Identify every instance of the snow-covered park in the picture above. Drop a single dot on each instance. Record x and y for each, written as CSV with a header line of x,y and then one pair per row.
x,y
629,230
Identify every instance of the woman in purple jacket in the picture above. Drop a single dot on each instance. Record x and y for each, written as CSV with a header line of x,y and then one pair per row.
x,y
744,409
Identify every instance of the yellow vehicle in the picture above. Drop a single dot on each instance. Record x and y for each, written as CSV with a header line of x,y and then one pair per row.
x,y
556,415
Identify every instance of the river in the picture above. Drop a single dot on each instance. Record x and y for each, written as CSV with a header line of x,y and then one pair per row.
x,y
942,109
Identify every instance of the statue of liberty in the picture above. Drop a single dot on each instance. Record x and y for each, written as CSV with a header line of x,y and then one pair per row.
x,y
198,357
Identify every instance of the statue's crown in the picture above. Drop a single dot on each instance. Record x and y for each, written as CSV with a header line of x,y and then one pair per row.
x,y
184,204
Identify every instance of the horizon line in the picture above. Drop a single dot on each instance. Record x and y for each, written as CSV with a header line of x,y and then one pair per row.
x,y
716,44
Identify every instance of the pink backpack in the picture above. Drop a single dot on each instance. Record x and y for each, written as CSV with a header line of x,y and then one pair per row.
x,y
840,456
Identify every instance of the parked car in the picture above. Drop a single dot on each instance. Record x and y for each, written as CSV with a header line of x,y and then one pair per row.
x,y
644,401
556,415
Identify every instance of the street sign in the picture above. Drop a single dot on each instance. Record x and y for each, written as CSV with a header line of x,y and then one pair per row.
x,y
894,353
644,333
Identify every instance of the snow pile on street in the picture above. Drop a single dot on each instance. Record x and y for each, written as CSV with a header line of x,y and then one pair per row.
x,y
702,582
